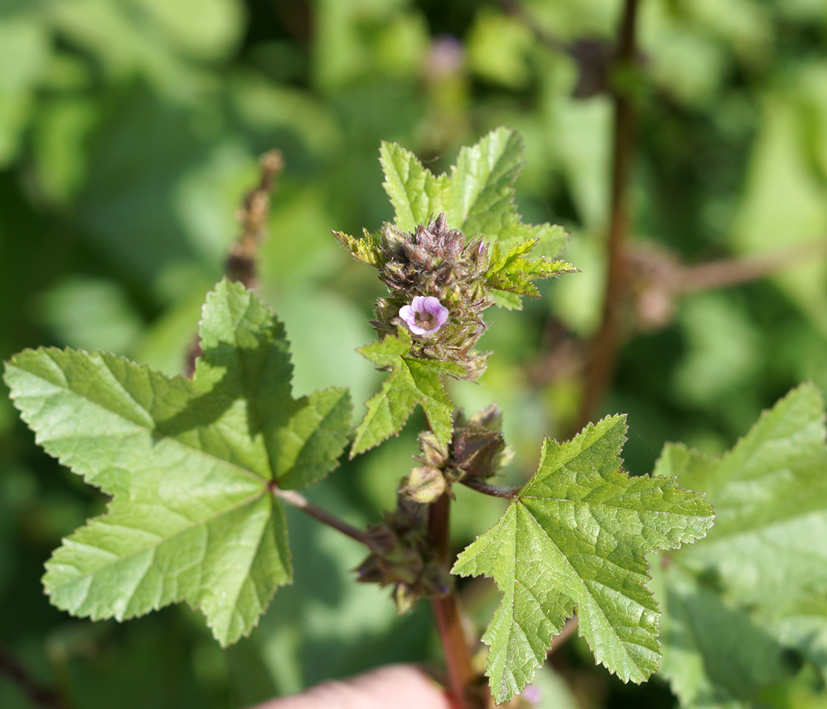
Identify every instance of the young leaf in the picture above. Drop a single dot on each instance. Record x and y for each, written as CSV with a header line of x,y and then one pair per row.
x,y
367,249
189,465
412,381
766,558
514,273
577,536
478,199
417,195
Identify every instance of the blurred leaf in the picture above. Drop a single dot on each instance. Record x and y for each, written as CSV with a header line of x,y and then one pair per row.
x,y
60,146
784,196
265,106
89,314
206,198
203,29
125,39
359,38
129,208
315,318
580,133
758,578
723,349
714,655
24,55
498,48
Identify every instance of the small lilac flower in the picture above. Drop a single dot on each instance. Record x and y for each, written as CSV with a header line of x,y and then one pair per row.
x,y
531,694
424,315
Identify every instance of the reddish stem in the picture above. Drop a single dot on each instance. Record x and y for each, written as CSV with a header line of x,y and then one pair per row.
x,y
485,488
605,347
300,502
461,673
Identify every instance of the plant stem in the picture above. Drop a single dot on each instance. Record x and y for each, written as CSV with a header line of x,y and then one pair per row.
x,y
446,609
604,348
488,489
732,272
240,265
241,261
38,695
299,501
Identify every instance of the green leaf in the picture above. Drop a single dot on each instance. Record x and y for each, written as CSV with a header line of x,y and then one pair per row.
x,y
766,558
513,273
412,381
478,199
416,194
713,654
189,465
367,249
576,536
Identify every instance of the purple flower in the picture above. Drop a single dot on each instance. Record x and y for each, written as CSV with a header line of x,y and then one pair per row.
x,y
531,694
424,315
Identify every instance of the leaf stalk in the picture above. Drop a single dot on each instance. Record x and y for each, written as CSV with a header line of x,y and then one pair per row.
x,y
300,502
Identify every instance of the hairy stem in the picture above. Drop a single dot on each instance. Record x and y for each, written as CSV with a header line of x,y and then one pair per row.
x,y
604,348
488,489
446,609
300,502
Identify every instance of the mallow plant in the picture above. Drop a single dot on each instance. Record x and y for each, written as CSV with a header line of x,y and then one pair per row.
x,y
198,471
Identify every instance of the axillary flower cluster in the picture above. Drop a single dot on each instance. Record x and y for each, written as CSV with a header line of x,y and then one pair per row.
x,y
439,283
436,280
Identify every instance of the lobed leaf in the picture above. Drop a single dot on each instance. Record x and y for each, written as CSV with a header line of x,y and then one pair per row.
x,y
478,199
411,382
416,194
764,565
576,536
189,465
513,273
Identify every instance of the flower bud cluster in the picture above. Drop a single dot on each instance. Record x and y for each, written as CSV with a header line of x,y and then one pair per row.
x,y
402,556
477,449
437,290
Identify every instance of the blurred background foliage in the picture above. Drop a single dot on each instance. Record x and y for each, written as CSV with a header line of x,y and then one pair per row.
x,y
129,131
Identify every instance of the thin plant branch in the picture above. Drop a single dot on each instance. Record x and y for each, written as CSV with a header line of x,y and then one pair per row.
x,y
241,262
487,489
38,695
658,280
604,348
732,272
300,502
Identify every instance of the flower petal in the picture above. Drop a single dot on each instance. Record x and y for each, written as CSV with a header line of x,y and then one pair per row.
x,y
406,312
